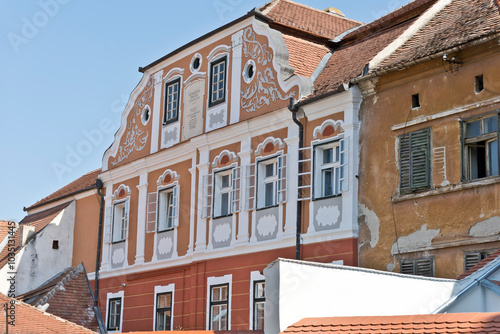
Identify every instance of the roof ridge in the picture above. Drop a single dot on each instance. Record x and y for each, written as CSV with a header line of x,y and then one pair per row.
x,y
321,11
49,294
55,317
266,8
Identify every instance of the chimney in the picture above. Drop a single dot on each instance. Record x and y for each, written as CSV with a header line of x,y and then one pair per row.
x,y
335,11
26,232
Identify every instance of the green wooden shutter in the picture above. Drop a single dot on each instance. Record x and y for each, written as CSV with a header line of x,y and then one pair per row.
x,y
414,161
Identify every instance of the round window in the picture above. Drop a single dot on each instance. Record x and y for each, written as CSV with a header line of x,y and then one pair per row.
x,y
145,115
196,63
249,71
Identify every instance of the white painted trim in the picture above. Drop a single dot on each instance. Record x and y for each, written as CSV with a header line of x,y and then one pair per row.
x,y
211,281
164,289
319,129
276,142
121,187
221,49
232,157
110,295
196,55
421,22
254,276
174,73
173,175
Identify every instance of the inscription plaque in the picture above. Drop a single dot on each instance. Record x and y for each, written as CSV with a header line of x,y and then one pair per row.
x,y
192,120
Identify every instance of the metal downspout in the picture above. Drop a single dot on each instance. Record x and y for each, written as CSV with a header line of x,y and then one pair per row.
x,y
293,108
99,187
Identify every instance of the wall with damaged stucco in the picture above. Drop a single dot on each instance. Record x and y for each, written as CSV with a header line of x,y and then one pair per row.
x,y
453,216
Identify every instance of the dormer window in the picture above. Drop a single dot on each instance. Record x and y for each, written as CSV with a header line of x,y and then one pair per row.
x,y
218,70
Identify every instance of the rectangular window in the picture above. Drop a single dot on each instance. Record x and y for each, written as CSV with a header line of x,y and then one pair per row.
x,y
271,176
171,113
166,209
259,301
163,311
219,302
223,193
327,174
420,267
480,148
114,314
120,221
218,76
414,161
473,258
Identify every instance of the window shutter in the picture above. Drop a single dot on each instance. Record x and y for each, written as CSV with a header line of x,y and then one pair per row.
x,y
236,196
414,161
125,225
424,267
407,267
305,174
471,259
151,214
206,207
175,206
250,187
282,178
107,225
344,161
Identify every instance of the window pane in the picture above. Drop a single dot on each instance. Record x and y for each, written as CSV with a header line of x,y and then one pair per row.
x,y
473,129
225,181
327,155
490,124
328,182
260,289
269,188
269,170
493,157
259,316
224,208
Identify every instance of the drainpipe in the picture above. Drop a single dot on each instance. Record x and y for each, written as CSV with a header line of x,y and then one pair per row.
x,y
99,186
294,108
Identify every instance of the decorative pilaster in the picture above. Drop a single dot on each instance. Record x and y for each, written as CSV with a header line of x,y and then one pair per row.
x,y
236,69
157,114
141,218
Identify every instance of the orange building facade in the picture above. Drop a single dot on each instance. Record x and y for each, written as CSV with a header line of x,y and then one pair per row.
x,y
205,179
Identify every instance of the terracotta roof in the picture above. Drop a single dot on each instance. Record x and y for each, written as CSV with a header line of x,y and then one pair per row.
x,y
310,20
347,62
480,265
459,23
304,55
411,324
39,220
4,228
29,319
205,332
83,183
69,297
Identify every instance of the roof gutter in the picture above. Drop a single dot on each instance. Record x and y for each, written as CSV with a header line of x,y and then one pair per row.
x,y
402,66
253,13
476,281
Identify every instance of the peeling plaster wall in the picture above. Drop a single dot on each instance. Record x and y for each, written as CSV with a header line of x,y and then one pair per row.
x,y
458,216
37,262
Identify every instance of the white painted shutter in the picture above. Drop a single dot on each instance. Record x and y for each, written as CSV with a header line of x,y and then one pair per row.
x,y
344,164
236,192
250,187
282,178
175,207
108,224
305,174
206,207
125,224
151,213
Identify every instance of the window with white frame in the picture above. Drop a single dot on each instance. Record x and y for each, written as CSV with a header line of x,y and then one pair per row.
x,y
171,112
218,77
259,302
327,171
114,311
219,304
480,147
223,193
163,311
120,221
166,209
222,190
271,181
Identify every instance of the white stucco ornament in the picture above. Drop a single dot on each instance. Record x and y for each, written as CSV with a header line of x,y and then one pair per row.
x,y
328,215
118,256
165,245
267,225
222,232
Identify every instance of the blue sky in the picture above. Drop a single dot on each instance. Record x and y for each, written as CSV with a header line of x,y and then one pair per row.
x,y
67,68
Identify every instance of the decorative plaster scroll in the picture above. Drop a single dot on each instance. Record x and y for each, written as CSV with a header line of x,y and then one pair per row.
x,y
217,49
264,89
136,138
232,157
175,71
173,177
329,122
126,190
277,142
